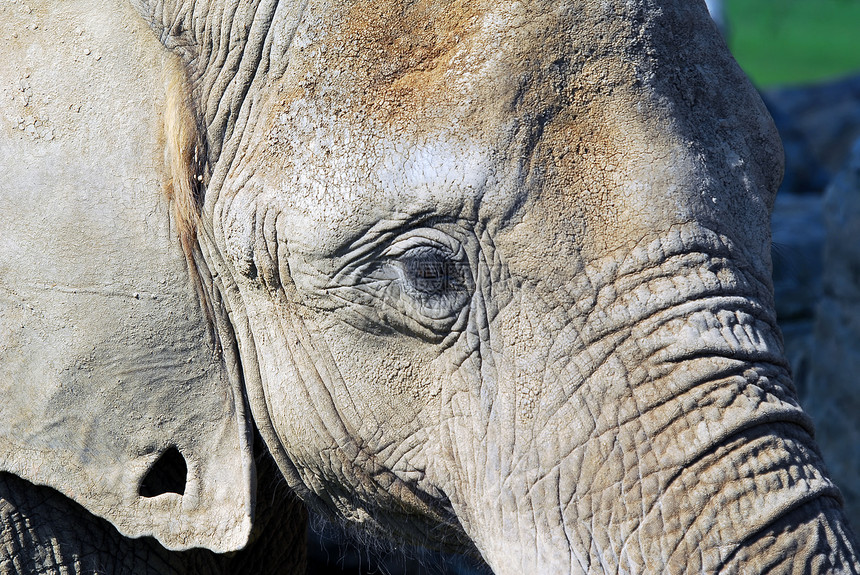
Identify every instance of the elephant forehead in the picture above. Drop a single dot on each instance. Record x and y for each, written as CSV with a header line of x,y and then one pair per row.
x,y
468,114
393,109
380,111
397,62
396,54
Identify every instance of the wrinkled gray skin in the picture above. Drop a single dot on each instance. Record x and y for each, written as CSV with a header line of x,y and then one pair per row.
x,y
498,276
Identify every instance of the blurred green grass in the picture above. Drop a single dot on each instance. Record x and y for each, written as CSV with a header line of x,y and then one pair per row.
x,y
787,42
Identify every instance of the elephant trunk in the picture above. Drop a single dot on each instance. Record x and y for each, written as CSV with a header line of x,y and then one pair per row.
x,y
757,503
668,439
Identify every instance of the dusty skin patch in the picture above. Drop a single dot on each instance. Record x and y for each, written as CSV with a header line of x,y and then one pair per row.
x,y
402,52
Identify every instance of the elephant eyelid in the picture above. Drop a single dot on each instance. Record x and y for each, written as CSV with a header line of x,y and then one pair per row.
x,y
425,237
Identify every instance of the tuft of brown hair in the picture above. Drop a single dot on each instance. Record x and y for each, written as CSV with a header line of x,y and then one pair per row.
x,y
184,154
185,157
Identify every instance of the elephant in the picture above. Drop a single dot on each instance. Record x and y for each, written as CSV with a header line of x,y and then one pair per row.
x,y
492,277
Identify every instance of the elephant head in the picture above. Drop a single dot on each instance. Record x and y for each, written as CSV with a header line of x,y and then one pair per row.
x,y
498,277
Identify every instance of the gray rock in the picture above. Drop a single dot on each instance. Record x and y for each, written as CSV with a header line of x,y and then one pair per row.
x,y
823,119
798,232
832,399
804,173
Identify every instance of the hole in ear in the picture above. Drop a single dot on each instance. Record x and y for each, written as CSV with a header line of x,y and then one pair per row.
x,y
167,475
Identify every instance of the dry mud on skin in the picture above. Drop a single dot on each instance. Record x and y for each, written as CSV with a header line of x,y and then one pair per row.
x,y
30,102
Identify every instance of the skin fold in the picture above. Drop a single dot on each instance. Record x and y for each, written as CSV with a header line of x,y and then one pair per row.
x,y
498,277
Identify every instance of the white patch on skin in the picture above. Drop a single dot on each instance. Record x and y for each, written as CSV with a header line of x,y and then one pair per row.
x,y
239,231
430,172
702,433
446,173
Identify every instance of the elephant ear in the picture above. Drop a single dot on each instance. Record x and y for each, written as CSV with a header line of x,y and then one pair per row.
x,y
114,389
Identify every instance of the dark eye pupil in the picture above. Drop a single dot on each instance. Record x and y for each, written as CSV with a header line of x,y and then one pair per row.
x,y
431,273
430,284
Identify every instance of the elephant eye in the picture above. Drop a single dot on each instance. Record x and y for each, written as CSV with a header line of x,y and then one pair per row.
x,y
430,273
428,281
421,283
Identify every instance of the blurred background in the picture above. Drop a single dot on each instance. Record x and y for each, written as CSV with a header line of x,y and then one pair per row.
x,y
804,56
791,42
